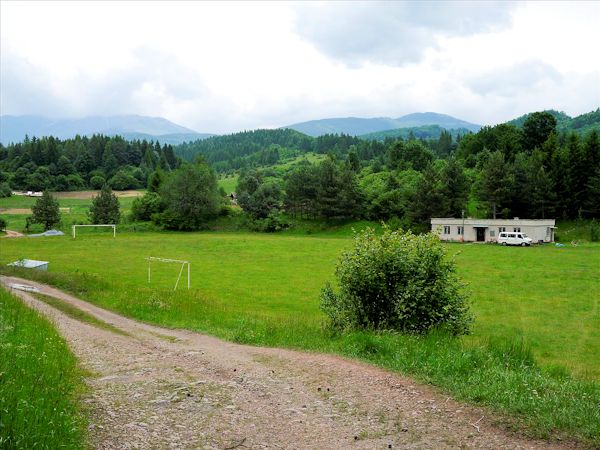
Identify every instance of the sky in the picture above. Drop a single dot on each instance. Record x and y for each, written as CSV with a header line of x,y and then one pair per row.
x,y
228,66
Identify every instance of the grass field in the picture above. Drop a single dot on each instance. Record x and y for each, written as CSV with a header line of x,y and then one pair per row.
x,y
533,306
39,382
74,208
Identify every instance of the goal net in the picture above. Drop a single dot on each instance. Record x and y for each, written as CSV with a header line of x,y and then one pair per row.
x,y
114,227
151,259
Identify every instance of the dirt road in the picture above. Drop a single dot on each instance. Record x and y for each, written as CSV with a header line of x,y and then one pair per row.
x,y
12,234
161,388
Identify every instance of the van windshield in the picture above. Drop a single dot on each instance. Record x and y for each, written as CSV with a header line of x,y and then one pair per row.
x,y
524,235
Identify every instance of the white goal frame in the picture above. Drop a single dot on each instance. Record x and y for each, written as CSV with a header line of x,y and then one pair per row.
x,y
167,260
114,227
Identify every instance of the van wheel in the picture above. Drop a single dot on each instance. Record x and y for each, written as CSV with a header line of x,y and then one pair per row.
x,y
504,243
523,244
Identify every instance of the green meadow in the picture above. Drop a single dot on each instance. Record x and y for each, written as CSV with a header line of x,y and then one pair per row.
x,y
533,353
73,211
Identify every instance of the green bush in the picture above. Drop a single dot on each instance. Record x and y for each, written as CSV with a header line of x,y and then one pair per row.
x,y
5,190
97,181
143,207
396,281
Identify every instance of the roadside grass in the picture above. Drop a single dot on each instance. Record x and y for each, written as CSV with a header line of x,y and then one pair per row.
x,y
78,314
40,383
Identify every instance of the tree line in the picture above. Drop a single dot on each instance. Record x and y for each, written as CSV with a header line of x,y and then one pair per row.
x,y
502,171
81,163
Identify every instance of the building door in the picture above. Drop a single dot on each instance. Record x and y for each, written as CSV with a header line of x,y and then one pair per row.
x,y
480,234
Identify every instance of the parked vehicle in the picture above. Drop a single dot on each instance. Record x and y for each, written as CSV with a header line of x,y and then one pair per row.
x,y
507,238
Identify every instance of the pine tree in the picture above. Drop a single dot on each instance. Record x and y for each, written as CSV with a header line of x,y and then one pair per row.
x,y
495,182
105,207
455,188
46,211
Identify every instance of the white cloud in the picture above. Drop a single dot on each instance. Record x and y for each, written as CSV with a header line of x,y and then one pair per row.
x,y
222,67
393,33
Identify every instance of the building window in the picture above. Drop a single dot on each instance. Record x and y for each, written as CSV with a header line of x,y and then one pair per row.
x,y
501,229
446,229
517,229
492,233
461,230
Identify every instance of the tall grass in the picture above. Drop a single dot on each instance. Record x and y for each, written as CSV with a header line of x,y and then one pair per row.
x,y
39,382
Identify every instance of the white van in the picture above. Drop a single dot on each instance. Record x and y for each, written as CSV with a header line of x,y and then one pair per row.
x,y
515,238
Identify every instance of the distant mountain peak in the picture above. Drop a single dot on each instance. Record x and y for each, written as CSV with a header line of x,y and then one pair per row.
x,y
132,126
357,126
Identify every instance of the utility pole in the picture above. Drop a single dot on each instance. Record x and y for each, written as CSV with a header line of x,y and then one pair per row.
x,y
462,234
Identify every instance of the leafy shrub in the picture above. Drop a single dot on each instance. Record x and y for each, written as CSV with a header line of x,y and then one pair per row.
x,y
3,224
273,222
97,181
5,190
143,207
398,281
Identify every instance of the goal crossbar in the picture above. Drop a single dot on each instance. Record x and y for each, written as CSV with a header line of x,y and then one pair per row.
x,y
168,260
113,226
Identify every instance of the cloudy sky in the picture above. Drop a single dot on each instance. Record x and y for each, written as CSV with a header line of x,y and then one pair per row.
x,y
224,67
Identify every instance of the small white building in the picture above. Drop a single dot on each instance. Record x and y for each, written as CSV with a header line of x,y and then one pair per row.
x,y
487,230
30,264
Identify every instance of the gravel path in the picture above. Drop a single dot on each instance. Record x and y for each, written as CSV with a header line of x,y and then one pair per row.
x,y
174,389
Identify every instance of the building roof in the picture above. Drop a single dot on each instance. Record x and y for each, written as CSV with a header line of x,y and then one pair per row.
x,y
492,222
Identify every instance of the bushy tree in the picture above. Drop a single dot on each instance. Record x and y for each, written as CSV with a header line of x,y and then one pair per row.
x,y
46,211
105,207
398,281
536,129
144,207
190,196
5,190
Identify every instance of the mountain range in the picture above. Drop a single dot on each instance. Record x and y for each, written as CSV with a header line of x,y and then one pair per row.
x,y
356,126
14,128
133,127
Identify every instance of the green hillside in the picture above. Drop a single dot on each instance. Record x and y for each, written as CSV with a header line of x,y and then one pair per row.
x,y
422,132
581,124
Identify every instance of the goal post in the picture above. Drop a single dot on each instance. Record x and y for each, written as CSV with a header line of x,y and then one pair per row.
x,y
113,226
168,260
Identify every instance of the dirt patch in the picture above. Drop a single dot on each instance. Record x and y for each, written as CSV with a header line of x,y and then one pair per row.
x,y
83,195
27,211
161,388
12,234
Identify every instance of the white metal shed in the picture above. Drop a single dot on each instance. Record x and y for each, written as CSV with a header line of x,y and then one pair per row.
x,y
31,264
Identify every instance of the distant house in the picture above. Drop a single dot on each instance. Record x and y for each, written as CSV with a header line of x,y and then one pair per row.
x,y
487,230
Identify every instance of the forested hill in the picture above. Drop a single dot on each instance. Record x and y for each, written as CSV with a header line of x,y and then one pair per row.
x,y
268,147
81,163
422,132
257,144
581,124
